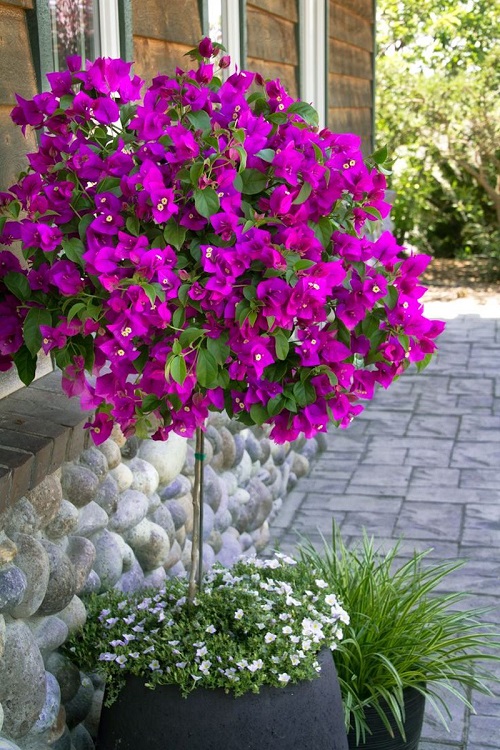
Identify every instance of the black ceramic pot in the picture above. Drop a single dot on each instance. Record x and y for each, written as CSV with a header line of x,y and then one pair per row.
x,y
307,715
380,739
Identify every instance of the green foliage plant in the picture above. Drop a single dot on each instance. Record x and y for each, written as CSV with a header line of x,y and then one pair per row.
x,y
403,632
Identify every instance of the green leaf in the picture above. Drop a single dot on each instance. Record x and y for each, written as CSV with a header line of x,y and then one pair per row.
x,y
302,264
304,110
373,212
282,345
304,393
73,249
178,317
3,221
304,193
178,370
150,403
218,349
189,335
238,183
422,364
176,347
206,369
18,284
380,156
84,224
323,231
108,184
267,154
133,225
206,202
75,309
195,172
183,292
25,364
259,413
35,318
174,234
200,120
253,181
66,101
243,158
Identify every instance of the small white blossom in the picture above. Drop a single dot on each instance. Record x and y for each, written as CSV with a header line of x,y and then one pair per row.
x,y
181,664
211,629
284,678
154,665
286,630
295,659
321,584
255,665
269,637
203,651
205,666
121,659
238,615
331,600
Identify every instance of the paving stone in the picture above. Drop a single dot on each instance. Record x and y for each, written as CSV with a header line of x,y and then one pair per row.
x,y
479,427
428,425
430,521
435,477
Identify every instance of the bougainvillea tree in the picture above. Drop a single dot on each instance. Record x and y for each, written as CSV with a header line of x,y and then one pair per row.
x,y
202,248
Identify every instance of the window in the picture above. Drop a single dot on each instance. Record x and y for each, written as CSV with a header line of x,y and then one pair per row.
x,y
225,27
313,34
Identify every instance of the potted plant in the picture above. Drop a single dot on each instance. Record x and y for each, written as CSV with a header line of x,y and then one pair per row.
x,y
202,248
265,626
404,641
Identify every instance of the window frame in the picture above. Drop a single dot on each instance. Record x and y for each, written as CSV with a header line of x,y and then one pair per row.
x,y
313,47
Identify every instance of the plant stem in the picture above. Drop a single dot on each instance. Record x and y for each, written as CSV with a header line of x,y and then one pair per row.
x,y
196,572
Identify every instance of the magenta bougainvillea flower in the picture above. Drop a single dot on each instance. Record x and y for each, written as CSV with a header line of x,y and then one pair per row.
x,y
203,248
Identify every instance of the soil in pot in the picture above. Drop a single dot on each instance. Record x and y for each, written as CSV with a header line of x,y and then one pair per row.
x,y
380,739
295,717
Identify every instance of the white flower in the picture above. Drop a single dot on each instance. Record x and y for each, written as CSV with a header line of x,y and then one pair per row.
x,y
321,584
294,638
331,600
107,656
284,678
203,651
121,659
154,665
272,564
284,616
238,615
294,658
260,625
255,665
269,637
134,654
286,630
306,644
181,664
242,664
210,629
205,666
196,677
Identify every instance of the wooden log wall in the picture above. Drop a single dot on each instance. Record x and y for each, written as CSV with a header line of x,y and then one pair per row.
x,y
163,32
350,74
272,41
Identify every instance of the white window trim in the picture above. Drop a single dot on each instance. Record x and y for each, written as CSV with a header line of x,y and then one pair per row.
x,y
231,30
313,83
109,28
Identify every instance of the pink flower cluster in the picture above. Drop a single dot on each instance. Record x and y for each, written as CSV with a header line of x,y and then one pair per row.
x,y
202,249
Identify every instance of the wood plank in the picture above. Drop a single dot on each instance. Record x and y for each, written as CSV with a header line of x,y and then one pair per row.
x,y
286,73
153,57
350,61
13,148
19,3
363,8
17,72
271,38
347,91
350,28
284,8
350,120
177,21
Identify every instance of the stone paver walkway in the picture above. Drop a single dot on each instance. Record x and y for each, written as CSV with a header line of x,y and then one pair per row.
x,y
423,462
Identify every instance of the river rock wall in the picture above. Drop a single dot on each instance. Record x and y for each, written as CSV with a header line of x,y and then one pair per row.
x,y
120,516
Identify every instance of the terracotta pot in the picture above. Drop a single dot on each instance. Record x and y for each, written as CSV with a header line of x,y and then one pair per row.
x,y
295,717
380,739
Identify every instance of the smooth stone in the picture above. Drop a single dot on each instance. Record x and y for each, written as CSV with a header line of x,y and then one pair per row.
x,y
22,518
92,719
177,513
81,739
91,519
260,503
217,462
215,540
246,541
82,554
230,551
223,519
243,470
61,586
66,674
79,484
1,719
292,481
177,571
122,476
261,537
242,496
108,562
167,456
2,635
34,562
92,584
127,553
321,439
240,515
186,502
64,523
155,578
48,632
208,451
64,742
188,468
212,435
95,460
208,521
228,448
50,709
173,556
163,518
74,615
146,478
46,498
208,558
239,446
154,502
6,744
131,448
79,706
107,495
212,490
132,579
230,481
118,436
13,586
178,486
218,419
22,680
111,453
265,445
150,544
180,536
253,447
186,554
131,508
310,450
